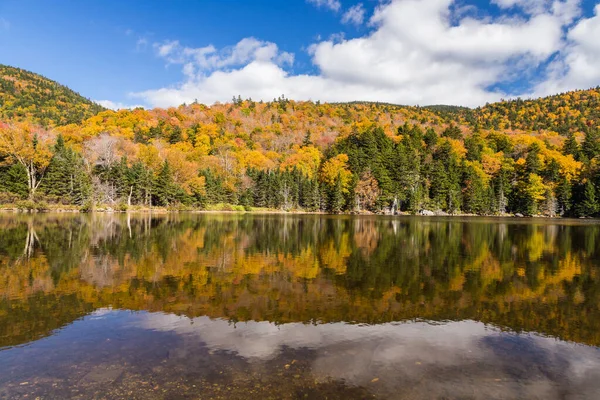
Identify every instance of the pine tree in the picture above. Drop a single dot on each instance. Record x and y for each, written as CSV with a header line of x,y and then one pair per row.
x,y
532,161
336,197
589,205
563,196
571,146
176,135
591,143
66,179
474,193
164,188
430,138
307,141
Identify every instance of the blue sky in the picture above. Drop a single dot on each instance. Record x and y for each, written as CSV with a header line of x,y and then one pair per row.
x,y
159,53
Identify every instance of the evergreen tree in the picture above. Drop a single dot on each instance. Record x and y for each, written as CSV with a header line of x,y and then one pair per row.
x,y
589,204
591,143
430,138
176,135
66,180
564,195
571,146
164,190
532,161
474,145
475,192
335,197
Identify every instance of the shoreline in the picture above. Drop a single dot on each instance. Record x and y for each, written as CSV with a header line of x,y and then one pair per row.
x,y
162,210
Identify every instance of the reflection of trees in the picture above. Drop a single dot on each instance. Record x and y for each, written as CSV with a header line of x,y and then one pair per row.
x,y
299,268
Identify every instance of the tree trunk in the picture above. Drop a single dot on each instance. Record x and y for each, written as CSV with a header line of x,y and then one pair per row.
x,y
129,197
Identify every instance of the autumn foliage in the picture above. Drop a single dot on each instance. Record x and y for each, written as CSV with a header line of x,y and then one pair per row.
x,y
529,157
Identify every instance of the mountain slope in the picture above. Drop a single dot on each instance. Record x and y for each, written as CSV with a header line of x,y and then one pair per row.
x,y
25,95
574,111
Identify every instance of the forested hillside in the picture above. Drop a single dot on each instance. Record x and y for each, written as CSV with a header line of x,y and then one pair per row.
x,y
530,157
28,96
567,112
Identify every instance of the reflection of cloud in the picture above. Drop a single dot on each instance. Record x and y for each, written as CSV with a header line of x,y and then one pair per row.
x,y
462,358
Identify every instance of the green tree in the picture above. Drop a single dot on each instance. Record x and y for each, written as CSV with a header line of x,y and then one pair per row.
x,y
335,201
571,146
591,143
66,178
589,204
164,191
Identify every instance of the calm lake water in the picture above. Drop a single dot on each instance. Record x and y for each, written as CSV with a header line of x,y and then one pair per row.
x,y
298,306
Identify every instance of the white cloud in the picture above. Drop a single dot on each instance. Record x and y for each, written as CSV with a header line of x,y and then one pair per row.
x,y
141,44
115,105
578,65
355,15
209,58
418,52
333,5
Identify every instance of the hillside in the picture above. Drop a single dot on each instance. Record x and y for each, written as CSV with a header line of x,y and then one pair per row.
x,y
28,96
573,111
537,157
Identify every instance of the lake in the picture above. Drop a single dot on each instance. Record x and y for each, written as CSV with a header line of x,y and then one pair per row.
x,y
298,306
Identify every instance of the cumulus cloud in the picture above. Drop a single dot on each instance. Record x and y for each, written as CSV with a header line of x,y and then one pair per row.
x,y
578,65
208,58
417,52
333,5
355,15
568,8
116,105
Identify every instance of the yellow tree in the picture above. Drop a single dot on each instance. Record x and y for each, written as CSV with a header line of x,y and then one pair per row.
x,y
306,159
536,190
337,168
29,146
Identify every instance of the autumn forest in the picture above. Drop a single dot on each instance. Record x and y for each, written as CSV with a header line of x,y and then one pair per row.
x,y
529,157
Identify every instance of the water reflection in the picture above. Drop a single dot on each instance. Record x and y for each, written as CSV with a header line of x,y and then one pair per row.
x,y
114,353
254,289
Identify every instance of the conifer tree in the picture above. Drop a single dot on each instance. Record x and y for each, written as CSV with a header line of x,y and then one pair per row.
x,y
164,188
571,146
589,204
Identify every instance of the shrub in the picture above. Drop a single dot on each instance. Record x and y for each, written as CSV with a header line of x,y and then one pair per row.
x,y
30,205
9,198
26,205
88,206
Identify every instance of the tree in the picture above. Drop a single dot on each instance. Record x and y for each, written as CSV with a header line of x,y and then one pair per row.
x,y
431,138
591,143
571,146
30,147
452,132
164,188
589,204
335,171
66,178
366,191
336,196
536,191
475,189
563,195
532,162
